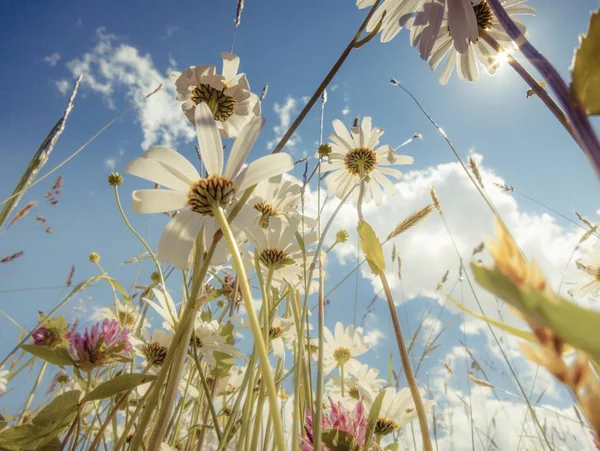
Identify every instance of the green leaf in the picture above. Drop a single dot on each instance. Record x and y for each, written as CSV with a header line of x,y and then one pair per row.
x,y
224,361
575,325
392,447
585,86
337,440
373,416
117,385
56,356
61,406
371,247
33,437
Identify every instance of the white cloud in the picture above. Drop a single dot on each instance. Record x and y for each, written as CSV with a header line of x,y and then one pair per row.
x,y
346,111
285,112
110,67
373,337
63,86
110,163
53,59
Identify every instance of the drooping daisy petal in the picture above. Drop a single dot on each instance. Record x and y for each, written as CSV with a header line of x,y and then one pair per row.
x,y
157,200
242,146
209,140
263,168
173,160
154,171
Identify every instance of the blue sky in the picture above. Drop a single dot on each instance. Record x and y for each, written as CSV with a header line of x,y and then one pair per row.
x,y
290,46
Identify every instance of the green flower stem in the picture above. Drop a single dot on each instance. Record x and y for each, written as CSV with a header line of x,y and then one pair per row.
x,y
186,317
236,405
299,365
533,84
33,390
139,237
410,378
208,394
112,414
267,377
134,415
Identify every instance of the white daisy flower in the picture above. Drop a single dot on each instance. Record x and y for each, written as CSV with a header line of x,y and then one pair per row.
x,y
399,12
228,95
208,341
277,197
198,197
341,348
278,251
3,380
355,155
588,273
397,409
281,329
127,314
357,378
154,350
464,54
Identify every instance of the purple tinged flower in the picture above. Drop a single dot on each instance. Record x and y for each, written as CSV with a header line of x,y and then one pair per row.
x,y
52,333
352,422
103,344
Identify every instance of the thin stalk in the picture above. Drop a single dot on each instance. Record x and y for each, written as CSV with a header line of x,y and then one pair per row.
x,y
186,318
139,237
208,395
134,415
533,84
410,378
580,123
33,390
332,72
111,415
266,376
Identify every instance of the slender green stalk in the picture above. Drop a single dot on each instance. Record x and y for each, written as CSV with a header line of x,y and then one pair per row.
x,y
139,237
266,376
33,390
111,415
410,378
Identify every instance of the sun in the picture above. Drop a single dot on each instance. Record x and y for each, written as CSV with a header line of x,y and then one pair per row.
x,y
502,58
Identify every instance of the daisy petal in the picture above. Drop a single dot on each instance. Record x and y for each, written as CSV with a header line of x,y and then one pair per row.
x,y
262,169
157,200
154,171
231,64
242,146
173,159
209,140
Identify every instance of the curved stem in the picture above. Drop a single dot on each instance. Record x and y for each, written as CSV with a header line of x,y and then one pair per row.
x,y
334,70
532,82
261,348
582,128
410,378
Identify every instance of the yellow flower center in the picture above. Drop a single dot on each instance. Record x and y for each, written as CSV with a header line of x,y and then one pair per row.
x,y
353,392
126,318
273,258
385,426
360,161
267,212
220,104
206,194
342,355
484,16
